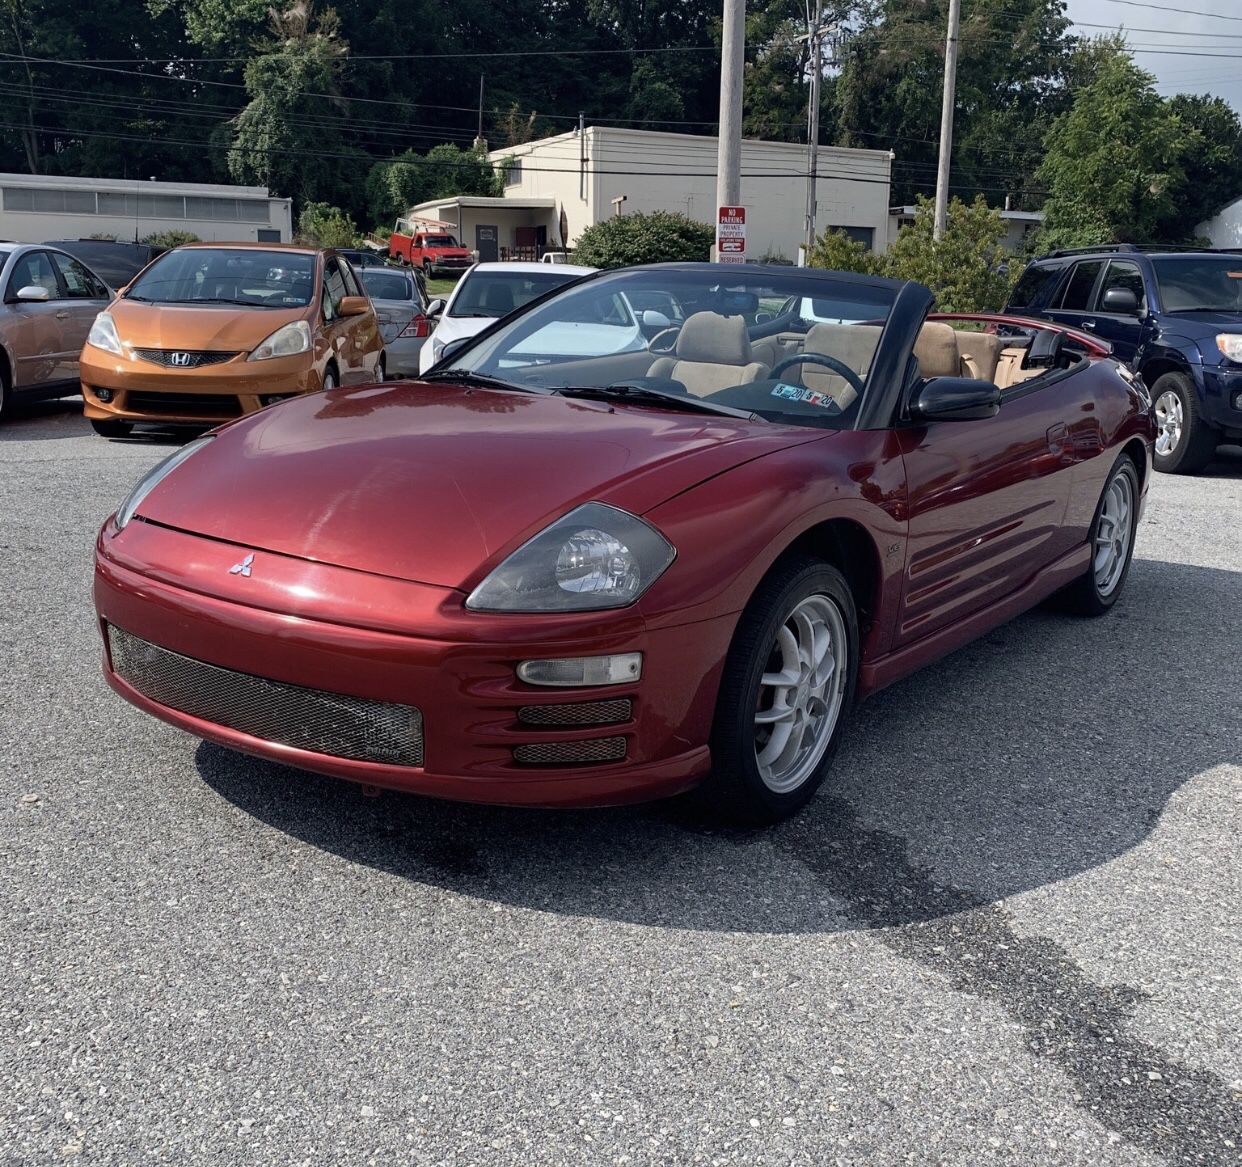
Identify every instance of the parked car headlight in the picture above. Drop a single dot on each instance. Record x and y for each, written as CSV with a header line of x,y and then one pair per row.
x,y
595,557
1230,343
154,477
103,334
286,341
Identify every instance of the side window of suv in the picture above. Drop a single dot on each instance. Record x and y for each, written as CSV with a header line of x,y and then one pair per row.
x,y
1124,274
1077,295
1033,285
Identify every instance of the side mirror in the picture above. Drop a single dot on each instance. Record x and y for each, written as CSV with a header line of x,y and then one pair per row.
x,y
34,293
955,399
454,347
1120,301
354,306
436,307
656,321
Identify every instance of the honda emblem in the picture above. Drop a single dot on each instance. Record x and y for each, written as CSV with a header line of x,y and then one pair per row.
x,y
181,360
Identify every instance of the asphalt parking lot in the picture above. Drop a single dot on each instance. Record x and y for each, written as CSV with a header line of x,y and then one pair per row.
x,y
1009,934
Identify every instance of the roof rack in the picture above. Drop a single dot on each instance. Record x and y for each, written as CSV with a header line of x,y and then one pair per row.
x,y
1061,252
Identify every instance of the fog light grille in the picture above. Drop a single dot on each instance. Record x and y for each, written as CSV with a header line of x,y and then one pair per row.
x,y
602,749
584,713
307,719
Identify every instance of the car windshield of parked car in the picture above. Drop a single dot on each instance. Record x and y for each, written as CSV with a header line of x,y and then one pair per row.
x,y
386,285
440,241
1200,283
497,293
207,276
795,348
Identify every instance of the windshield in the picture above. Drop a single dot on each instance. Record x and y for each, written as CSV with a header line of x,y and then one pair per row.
x,y
211,275
497,293
746,339
1200,283
440,241
386,285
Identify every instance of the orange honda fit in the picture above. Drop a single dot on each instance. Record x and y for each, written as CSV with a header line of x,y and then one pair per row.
x,y
211,331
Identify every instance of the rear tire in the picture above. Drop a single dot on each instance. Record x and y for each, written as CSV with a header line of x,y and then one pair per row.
x,y
112,429
1111,540
426,269
775,733
1184,441
5,393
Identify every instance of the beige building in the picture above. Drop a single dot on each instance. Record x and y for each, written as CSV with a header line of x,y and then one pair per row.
x,y
36,208
557,187
1018,225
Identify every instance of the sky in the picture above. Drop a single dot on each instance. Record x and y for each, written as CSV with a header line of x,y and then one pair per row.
x,y
1173,32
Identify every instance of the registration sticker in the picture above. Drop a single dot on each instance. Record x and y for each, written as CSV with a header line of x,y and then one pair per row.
x,y
806,396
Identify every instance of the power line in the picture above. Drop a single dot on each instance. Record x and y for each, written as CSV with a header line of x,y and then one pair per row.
x,y
1179,11
344,60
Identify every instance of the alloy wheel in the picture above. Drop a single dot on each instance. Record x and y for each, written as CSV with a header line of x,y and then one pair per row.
x,y
1169,422
801,693
1113,533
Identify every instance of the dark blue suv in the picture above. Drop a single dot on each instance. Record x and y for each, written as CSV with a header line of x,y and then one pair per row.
x,y
1175,317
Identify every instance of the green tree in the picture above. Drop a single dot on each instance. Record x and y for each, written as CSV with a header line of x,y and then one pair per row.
x,y
394,186
167,239
326,226
657,237
1113,162
836,251
1212,161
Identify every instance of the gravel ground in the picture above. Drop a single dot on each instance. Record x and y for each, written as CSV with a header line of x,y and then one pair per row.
x,y
1009,933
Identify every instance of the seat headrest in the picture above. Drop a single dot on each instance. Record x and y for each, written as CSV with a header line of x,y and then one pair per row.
x,y
937,352
708,339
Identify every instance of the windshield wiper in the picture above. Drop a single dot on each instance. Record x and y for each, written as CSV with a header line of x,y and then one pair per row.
x,y
221,300
463,377
641,394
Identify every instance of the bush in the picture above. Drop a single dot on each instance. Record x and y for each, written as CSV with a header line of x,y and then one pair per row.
x,y
836,251
323,225
167,239
658,237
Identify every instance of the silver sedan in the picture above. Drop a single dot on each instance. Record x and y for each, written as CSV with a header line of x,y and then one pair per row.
x,y
401,308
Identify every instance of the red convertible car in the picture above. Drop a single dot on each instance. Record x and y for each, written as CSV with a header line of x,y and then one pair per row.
x,y
601,554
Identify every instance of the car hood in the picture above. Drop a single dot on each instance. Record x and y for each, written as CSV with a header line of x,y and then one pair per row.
x,y
1202,323
433,483
182,326
455,327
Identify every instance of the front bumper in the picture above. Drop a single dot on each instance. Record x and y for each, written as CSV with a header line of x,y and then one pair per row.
x,y
384,640
145,392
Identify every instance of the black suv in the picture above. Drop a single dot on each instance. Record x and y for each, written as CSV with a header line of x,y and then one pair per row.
x,y
1175,317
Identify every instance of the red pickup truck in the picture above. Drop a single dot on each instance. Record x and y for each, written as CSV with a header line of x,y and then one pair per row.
x,y
428,245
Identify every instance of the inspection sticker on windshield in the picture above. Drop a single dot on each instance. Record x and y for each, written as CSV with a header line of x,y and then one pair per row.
x,y
806,396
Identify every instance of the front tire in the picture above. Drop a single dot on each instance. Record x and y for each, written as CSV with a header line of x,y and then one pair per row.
x,y
1184,441
329,379
1111,540
788,683
108,428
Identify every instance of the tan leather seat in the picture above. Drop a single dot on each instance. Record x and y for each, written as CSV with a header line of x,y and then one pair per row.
x,y
712,352
853,345
981,353
936,350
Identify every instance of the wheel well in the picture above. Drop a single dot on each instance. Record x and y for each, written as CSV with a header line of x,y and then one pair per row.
x,y
1138,455
6,370
847,546
1156,368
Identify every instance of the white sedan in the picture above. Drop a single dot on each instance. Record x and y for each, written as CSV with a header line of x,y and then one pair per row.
x,y
487,292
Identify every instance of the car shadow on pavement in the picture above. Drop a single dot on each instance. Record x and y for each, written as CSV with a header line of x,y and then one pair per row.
x,y
40,421
1038,752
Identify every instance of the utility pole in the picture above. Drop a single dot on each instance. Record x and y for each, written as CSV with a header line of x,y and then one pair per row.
x,y
732,61
946,120
480,144
582,158
812,133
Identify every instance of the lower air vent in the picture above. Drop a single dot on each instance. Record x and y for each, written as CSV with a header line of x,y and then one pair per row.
x,y
585,713
601,749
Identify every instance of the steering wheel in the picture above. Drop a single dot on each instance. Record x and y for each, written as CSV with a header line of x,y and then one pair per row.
x,y
839,367
669,346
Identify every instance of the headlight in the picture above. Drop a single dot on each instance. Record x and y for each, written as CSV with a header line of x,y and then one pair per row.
x,y
154,477
284,342
1230,343
595,557
103,334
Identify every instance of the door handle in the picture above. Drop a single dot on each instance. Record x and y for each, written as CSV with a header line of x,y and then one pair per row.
x,y
62,315
1057,435
1088,324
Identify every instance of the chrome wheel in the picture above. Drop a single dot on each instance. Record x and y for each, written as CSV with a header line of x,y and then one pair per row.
x,y
1113,533
801,693
1169,422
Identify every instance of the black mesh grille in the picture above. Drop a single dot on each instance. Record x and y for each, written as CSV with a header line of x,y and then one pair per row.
x,y
601,749
184,404
584,713
307,719
179,358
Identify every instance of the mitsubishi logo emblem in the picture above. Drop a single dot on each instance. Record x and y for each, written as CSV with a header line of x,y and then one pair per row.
x,y
243,568
180,360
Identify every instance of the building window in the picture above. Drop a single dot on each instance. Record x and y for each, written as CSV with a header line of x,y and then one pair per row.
x,y
138,204
513,171
863,235
56,202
